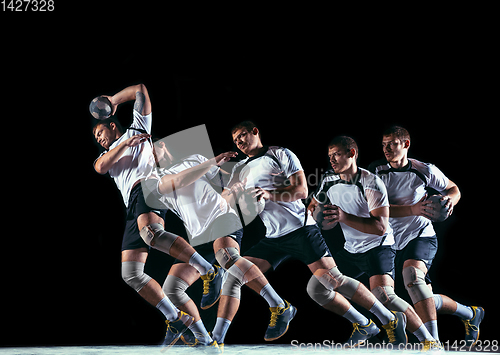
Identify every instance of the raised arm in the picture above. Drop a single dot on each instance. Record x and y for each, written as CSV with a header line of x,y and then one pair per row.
x,y
171,182
138,92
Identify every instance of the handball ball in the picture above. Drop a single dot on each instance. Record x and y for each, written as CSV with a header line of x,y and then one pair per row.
x,y
100,108
249,205
440,213
319,217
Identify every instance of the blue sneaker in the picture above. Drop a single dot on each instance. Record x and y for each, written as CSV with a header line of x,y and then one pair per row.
x,y
396,329
472,325
212,285
191,340
361,333
280,319
175,329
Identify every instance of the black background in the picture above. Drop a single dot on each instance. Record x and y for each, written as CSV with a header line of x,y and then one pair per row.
x,y
62,283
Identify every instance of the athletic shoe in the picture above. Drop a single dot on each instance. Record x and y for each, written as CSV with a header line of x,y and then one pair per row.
x,y
175,329
472,325
190,339
361,333
280,318
212,285
396,329
431,345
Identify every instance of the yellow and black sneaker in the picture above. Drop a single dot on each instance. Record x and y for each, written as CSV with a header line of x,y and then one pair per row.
x,y
212,285
192,340
396,329
431,345
472,326
280,319
175,329
361,333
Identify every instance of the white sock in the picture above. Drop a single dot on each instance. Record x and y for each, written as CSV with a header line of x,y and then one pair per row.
x,y
272,298
464,312
438,302
432,327
200,264
200,332
354,316
423,334
382,313
168,309
220,329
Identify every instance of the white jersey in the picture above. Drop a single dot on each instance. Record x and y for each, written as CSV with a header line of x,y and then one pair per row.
x,y
407,186
137,162
269,171
364,193
197,204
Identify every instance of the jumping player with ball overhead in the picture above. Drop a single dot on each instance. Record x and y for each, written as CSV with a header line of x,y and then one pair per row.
x,y
129,160
411,216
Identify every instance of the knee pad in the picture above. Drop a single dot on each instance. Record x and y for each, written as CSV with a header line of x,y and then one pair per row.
x,y
133,274
333,279
386,295
244,270
232,287
227,257
155,236
318,292
175,289
414,280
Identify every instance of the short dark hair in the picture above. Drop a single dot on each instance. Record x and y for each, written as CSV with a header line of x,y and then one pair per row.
x,y
106,123
347,143
248,125
398,132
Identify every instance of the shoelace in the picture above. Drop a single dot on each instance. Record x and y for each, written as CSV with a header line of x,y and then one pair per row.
x,y
170,328
274,315
358,329
206,282
469,327
389,327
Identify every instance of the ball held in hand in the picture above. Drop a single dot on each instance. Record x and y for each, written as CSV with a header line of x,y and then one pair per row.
x,y
100,108
440,212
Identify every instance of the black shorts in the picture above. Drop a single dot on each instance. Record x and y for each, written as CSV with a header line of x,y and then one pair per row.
x,y
376,261
227,225
420,248
305,244
136,206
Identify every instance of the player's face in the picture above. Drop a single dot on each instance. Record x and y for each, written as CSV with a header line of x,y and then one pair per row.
x,y
394,149
246,141
339,159
104,136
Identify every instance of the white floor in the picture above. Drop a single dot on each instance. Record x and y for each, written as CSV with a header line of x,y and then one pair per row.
x,y
267,349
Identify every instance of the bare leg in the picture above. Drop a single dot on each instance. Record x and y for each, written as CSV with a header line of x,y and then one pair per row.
x,y
413,320
426,309
152,291
363,296
180,249
189,274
